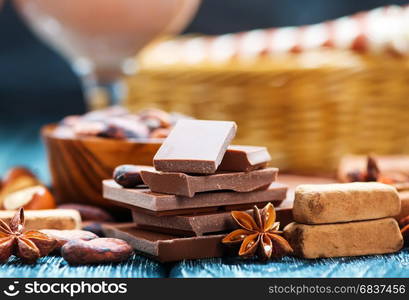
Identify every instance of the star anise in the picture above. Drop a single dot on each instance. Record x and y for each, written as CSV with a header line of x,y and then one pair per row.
x,y
259,234
29,245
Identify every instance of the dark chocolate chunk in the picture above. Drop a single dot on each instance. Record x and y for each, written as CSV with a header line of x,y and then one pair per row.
x,y
195,146
187,185
166,247
199,210
244,158
199,224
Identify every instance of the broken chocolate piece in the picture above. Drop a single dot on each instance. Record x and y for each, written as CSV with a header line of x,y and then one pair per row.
x,y
198,224
187,185
195,146
199,210
166,247
244,158
144,198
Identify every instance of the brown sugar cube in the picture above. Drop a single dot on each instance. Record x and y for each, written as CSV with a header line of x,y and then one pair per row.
x,y
344,239
46,218
344,202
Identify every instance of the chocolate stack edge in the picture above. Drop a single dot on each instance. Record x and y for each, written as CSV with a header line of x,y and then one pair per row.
x,y
166,204
199,224
166,247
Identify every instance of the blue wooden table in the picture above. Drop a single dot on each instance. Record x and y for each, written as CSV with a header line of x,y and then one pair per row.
x,y
20,144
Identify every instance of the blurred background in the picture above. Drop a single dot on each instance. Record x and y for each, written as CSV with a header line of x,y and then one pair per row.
x,y
36,82
38,86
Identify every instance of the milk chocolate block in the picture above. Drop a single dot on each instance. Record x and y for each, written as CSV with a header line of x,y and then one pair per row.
x,y
182,184
198,224
157,202
195,146
344,239
344,202
244,158
166,247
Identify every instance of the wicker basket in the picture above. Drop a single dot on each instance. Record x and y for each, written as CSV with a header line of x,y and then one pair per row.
x,y
309,108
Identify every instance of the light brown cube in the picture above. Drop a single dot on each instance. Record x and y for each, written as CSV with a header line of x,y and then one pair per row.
x,y
46,218
344,202
344,239
404,208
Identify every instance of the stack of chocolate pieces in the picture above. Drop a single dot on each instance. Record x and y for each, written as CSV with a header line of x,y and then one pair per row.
x,y
197,179
344,219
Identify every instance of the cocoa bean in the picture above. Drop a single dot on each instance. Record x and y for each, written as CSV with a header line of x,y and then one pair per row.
x,y
100,250
64,236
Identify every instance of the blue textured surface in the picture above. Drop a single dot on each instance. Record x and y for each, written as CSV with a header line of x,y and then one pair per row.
x,y
55,266
392,265
20,145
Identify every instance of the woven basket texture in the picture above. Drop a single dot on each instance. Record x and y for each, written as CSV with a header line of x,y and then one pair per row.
x,y
309,109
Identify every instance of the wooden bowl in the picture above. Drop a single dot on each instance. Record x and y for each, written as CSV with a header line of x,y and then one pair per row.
x,y
78,165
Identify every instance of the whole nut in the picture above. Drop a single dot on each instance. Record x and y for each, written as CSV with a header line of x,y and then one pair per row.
x,y
100,250
129,176
89,212
64,236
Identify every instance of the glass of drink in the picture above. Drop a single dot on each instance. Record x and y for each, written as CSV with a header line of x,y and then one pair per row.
x,y
101,37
